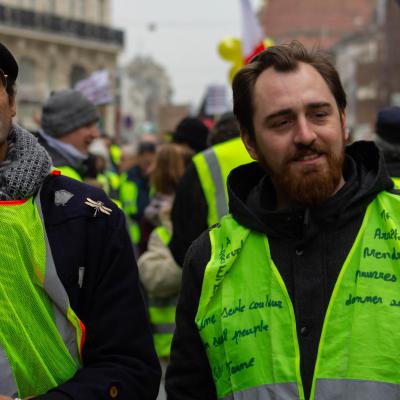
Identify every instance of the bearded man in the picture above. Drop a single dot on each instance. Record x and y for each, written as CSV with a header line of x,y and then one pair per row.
x,y
295,294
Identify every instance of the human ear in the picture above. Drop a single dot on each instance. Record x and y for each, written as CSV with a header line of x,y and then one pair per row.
x,y
250,144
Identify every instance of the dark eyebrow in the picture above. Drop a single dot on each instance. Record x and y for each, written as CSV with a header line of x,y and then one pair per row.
x,y
289,111
321,104
284,112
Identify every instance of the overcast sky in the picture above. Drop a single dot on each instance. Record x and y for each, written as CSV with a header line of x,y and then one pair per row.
x,y
182,36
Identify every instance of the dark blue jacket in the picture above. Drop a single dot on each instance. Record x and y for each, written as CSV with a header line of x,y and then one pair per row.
x,y
119,360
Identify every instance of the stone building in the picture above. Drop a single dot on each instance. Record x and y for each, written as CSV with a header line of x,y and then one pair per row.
x,y
57,43
315,22
145,88
369,64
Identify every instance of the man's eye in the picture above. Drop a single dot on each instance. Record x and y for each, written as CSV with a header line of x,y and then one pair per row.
x,y
280,123
320,114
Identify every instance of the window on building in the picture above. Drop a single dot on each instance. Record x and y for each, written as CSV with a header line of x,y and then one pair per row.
x,y
102,12
77,73
52,6
72,9
82,9
52,75
27,70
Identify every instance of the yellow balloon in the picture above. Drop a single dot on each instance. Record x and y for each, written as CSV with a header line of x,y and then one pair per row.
x,y
230,49
268,42
233,71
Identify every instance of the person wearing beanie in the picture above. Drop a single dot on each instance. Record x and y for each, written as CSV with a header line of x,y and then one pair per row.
x,y
191,132
68,127
387,129
73,323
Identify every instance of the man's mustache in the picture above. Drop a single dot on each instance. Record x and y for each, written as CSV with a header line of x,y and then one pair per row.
x,y
304,150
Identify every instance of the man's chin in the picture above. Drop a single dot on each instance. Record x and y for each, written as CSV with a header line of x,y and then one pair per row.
x,y
312,189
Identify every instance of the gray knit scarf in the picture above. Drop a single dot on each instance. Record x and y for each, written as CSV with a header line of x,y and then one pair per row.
x,y
25,166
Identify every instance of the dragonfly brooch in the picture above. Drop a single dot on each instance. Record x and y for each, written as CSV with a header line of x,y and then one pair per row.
x,y
98,206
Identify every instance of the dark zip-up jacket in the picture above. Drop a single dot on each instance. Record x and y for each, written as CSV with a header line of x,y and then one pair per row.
x,y
308,246
119,360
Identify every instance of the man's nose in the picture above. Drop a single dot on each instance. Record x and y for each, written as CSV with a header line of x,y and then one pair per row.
x,y
304,131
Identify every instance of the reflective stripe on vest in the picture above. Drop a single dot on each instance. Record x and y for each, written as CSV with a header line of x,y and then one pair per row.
x,y
40,336
7,382
213,167
273,391
68,324
247,324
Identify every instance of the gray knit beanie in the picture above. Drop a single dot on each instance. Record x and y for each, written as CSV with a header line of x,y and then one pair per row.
x,y
65,111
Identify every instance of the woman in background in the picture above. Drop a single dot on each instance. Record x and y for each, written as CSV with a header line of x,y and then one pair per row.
x,y
159,273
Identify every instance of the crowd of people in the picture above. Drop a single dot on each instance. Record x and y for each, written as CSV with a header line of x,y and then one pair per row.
x,y
256,259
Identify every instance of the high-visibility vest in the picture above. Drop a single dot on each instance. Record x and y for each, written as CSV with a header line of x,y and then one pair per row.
x,y
162,311
128,196
213,167
396,181
247,323
110,182
115,153
66,170
41,337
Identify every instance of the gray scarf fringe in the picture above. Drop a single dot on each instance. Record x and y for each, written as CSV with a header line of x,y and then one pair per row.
x,y
25,167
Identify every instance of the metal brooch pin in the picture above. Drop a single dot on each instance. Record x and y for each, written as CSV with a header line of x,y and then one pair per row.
x,y
98,206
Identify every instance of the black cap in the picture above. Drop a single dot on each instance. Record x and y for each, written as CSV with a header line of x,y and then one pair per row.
x,y
8,63
388,124
192,132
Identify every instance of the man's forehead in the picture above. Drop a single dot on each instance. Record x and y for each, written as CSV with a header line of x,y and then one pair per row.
x,y
276,90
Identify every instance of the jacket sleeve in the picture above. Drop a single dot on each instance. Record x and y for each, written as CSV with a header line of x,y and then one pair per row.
x,y
119,359
189,214
189,375
159,273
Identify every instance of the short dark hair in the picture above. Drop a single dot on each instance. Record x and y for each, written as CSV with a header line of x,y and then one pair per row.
x,y
146,147
226,127
283,58
10,89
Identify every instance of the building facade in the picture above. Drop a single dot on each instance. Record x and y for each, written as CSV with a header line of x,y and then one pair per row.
x,y
315,22
56,44
363,38
145,89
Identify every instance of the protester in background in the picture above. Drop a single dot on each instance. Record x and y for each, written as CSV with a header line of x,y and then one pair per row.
x,y
225,128
72,320
159,273
285,297
106,177
68,126
135,188
201,197
191,132
388,139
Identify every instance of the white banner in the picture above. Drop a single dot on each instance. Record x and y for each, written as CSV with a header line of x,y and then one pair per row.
x,y
97,87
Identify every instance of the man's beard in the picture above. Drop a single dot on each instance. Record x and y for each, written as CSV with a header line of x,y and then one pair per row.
x,y
309,185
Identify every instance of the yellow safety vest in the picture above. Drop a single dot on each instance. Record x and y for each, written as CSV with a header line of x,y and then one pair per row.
x,y
40,335
162,311
248,327
213,167
66,170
